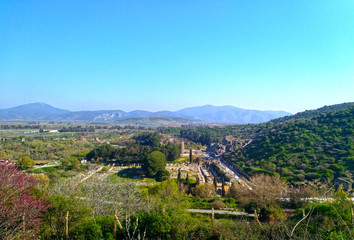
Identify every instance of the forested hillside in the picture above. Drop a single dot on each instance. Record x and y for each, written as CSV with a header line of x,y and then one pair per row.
x,y
314,113
320,147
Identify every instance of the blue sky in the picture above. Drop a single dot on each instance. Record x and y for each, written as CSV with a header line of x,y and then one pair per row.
x,y
166,55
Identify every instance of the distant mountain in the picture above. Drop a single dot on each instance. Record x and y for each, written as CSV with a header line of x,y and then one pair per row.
x,y
229,114
91,116
31,111
202,114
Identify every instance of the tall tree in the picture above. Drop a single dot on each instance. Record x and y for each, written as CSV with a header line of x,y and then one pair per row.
x,y
187,184
190,155
154,165
223,193
179,176
215,183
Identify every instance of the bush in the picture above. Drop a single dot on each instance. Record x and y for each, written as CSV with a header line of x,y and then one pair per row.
x,y
217,204
87,231
205,191
162,175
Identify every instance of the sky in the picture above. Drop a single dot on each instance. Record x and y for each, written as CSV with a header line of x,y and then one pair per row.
x,y
167,55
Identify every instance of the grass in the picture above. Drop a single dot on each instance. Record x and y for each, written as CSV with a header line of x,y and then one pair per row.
x,y
197,203
180,160
113,178
46,169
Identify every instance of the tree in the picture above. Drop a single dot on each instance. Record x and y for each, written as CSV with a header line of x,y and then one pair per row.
x,y
172,151
42,181
169,197
179,176
190,155
262,190
187,179
65,163
104,151
187,184
223,188
88,230
162,175
20,209
149,139
4,155
25,162
54,218
205,191
154,162
215,182
76,164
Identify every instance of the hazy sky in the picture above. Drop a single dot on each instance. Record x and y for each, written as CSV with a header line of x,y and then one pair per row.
x,y
166,55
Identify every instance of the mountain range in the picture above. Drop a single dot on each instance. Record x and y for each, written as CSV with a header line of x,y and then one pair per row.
x,y
201,114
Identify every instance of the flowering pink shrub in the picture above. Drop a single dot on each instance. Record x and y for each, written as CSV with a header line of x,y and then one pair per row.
x,y
20,208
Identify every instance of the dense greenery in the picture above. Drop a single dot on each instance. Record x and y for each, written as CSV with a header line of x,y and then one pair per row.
x,y
42,148
154,166
136,151
314,113
77,129
194,136
321,147
213,134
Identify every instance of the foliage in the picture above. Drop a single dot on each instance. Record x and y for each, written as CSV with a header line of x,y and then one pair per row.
x,y
263,191
54,218
206,191
148,139
135,152
42,181
88,230
217,204
39,148
171,151
169,197
329,220
154,165
194,136
105,197
77,129
20,205
25,162
321,147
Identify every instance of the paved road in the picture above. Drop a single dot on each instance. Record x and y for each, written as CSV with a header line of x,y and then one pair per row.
x,y
221,212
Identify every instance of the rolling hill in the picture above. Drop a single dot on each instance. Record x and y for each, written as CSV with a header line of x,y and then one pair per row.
x,y
318,145
202,114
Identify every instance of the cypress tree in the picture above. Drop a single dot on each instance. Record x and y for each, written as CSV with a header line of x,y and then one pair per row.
x,y
190,155
188,184
215,183
179,176
223,188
